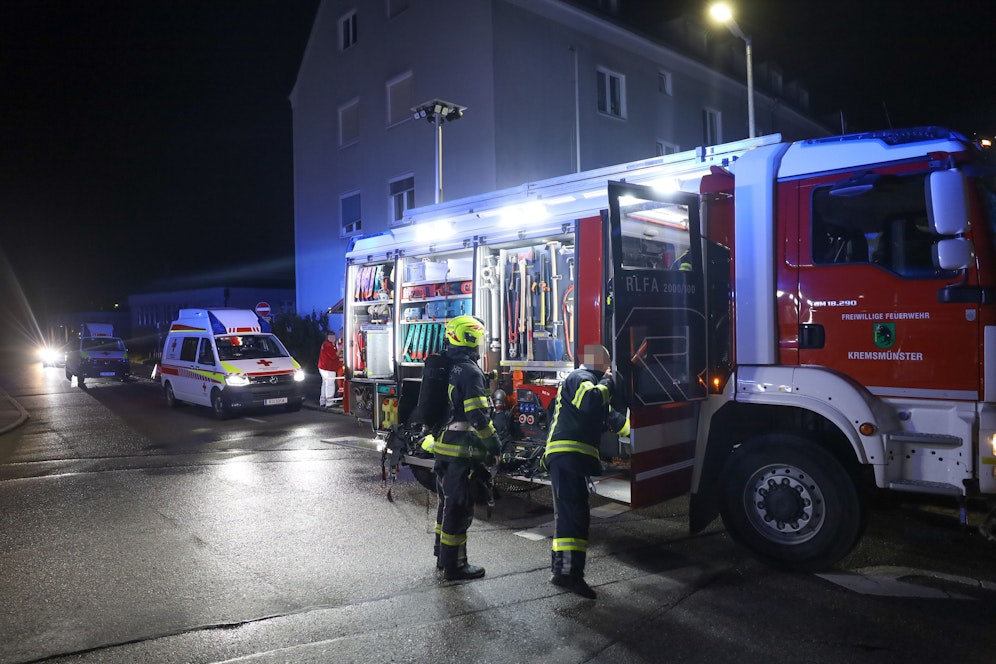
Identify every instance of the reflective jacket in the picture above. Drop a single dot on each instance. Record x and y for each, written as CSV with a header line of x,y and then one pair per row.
x,y
582,413
469,433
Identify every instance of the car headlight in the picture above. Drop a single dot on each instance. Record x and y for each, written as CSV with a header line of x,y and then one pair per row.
x,y
237,380
299,375
47,355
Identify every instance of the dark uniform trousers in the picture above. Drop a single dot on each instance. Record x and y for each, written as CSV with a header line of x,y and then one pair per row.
x,y
571,514
455,512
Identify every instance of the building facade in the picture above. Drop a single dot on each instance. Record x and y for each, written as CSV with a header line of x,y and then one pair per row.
x,y
549,87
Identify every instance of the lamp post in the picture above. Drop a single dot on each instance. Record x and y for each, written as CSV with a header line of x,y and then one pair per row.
x,y
436,112
722,13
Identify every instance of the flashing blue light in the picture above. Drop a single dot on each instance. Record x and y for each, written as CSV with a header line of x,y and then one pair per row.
x,y
216,326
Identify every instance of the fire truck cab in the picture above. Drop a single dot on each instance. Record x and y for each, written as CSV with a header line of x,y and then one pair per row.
x,y
791,324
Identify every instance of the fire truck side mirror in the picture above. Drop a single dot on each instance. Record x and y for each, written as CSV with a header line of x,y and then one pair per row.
x,y
947,202
953,253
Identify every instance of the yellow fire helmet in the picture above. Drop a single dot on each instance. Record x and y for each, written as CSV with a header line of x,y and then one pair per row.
x,y
465,331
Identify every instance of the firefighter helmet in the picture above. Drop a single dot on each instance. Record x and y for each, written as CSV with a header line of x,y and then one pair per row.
x,y
499,397
465,331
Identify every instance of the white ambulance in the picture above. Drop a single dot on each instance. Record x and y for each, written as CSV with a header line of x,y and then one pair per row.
x,y
228,359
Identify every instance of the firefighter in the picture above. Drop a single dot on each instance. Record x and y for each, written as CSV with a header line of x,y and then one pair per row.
x,y
581,414
467,440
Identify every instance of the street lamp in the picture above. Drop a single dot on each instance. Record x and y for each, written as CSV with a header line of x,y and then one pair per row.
x,y
722,13
438,111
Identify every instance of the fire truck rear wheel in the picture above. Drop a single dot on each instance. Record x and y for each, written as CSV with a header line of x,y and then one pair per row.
x,y
791,502
425,476
219,405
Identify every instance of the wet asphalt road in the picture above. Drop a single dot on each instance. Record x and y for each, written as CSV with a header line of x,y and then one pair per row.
x,y
131,533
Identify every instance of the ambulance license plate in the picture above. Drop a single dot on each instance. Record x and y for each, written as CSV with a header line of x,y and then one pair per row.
x,y
274,402
107,373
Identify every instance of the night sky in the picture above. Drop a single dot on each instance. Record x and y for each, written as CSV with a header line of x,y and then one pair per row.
x,y
147,144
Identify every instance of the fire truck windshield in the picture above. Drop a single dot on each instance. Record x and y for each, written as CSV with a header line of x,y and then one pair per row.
x,y
987,196
880,220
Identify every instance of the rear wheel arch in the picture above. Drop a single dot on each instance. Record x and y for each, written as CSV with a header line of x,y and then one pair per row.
x,y
171,400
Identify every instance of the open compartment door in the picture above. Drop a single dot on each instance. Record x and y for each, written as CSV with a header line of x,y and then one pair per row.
x,y
659,332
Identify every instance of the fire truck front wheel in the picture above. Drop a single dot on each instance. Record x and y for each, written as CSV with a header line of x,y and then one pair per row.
x,y
791,502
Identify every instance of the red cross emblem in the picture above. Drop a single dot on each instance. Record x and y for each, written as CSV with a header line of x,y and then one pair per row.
x,y
265,363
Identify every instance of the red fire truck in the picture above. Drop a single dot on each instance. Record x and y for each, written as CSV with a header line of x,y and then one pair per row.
x,y
791,325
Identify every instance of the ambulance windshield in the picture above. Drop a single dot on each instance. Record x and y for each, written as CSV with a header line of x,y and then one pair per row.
x,y
248,347
103,344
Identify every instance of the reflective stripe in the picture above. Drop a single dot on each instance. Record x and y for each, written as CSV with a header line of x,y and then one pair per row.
x,y
474,403
460,451
570,544
571,446
625,429
439,528
486,432
452,540
586,387
459,426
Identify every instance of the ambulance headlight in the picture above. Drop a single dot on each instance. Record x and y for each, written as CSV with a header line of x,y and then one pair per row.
x,y
299,375
237,380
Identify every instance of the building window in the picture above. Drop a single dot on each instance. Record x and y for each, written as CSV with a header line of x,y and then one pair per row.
x,y
395,7
402,196
349,206
347,30
664,83
611,93
712,126
349,122
664,148
399,98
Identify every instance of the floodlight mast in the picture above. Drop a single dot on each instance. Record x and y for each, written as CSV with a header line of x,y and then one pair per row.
x,y
437,111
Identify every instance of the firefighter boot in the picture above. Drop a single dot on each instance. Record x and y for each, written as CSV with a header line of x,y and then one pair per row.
x,y
466,571
576,584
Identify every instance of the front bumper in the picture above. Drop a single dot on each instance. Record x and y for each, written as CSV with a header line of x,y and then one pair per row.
x,y
266,391
105,368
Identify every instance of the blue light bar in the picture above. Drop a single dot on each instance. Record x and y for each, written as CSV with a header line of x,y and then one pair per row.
x,y
895,136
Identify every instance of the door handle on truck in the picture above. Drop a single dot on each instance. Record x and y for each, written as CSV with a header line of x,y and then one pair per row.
x,y
812,336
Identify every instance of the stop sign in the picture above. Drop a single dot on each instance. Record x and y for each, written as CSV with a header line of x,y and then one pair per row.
x,y
263,309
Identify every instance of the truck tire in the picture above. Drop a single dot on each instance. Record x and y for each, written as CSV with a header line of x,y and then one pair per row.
x,y
219,405
791,502
171,401
424,476
69,375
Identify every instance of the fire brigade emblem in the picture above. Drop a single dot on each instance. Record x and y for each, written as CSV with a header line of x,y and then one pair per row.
x,y
885,334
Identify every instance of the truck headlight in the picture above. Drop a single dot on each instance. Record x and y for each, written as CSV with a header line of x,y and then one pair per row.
x,y
237,380
299,375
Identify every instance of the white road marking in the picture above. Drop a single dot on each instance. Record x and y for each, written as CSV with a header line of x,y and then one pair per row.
x,y
900,582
